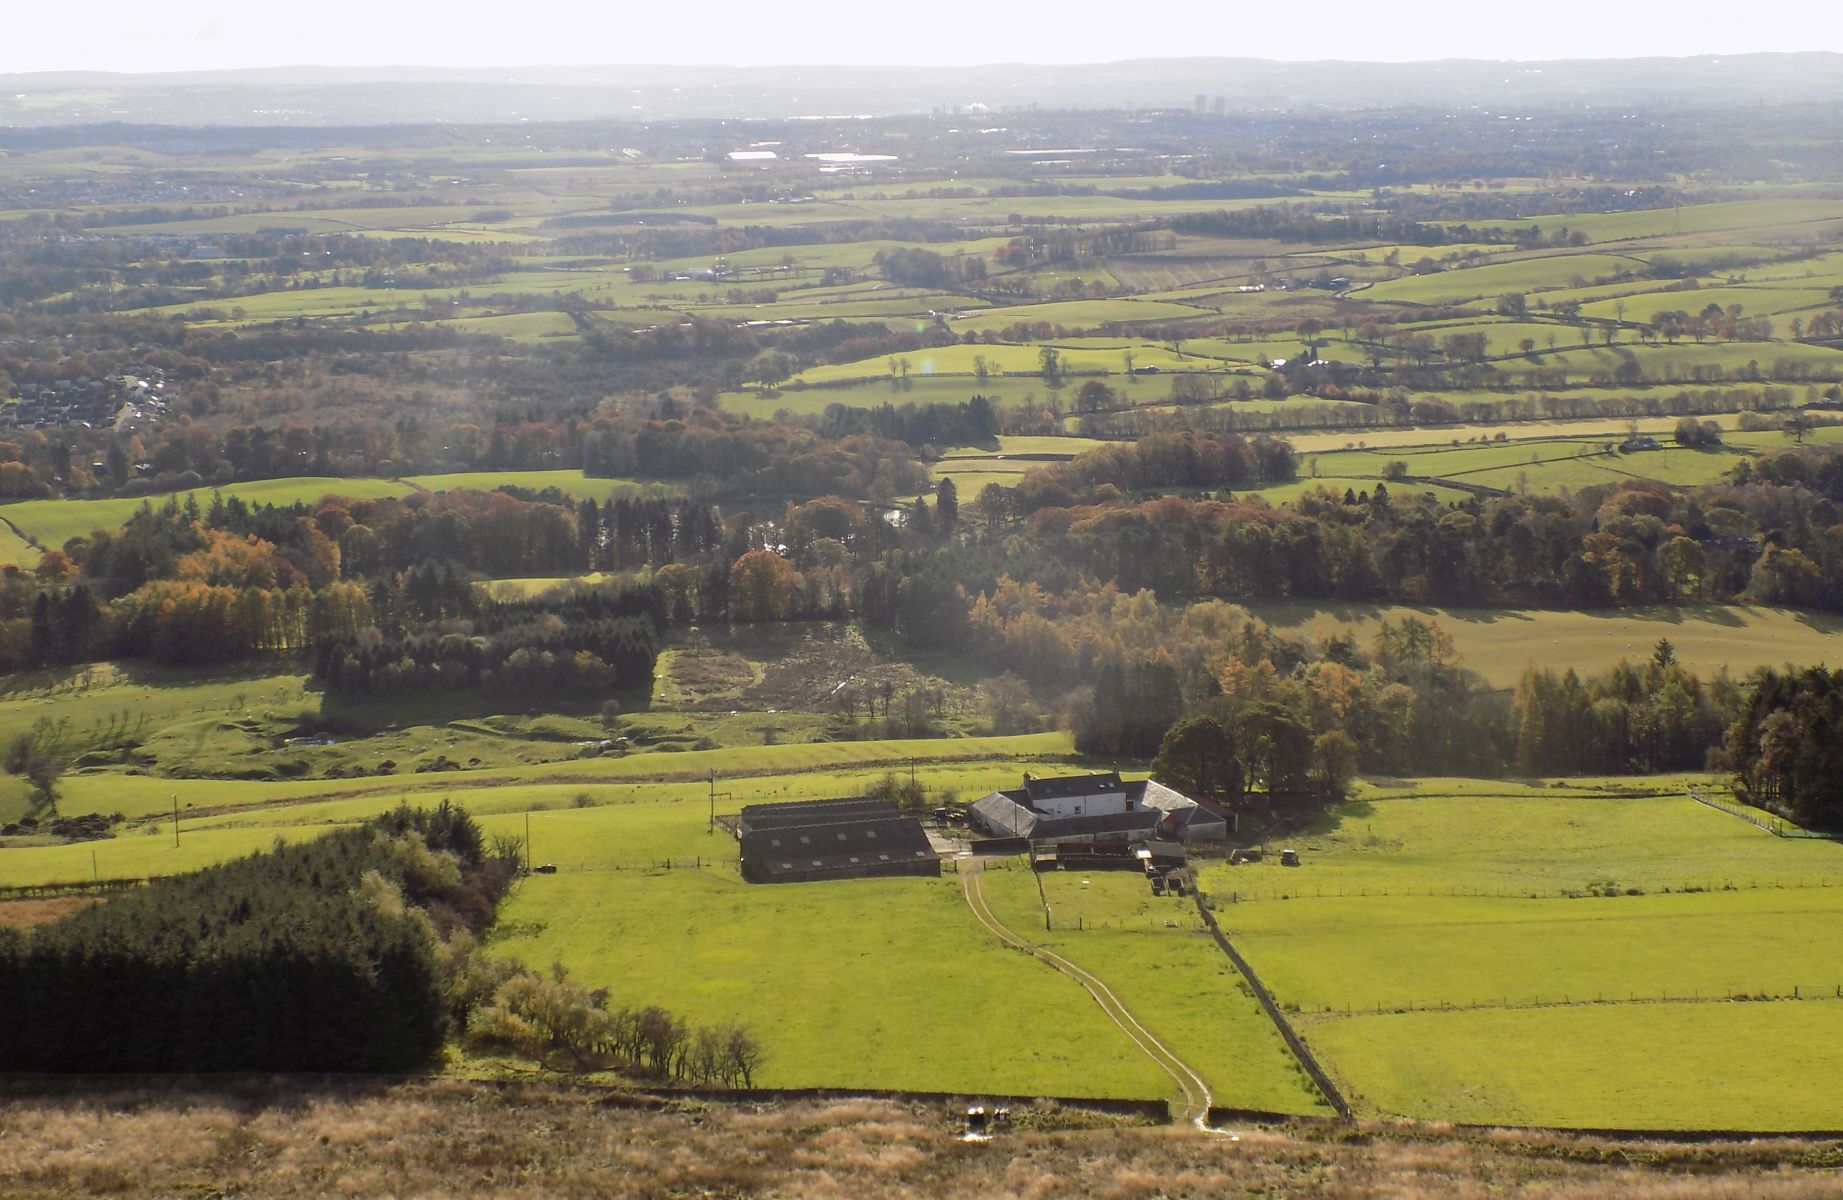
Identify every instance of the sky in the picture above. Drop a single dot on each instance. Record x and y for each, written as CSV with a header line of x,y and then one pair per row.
x,y
187,35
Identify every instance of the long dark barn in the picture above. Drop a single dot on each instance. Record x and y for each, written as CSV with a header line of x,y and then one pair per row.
x,y
832,839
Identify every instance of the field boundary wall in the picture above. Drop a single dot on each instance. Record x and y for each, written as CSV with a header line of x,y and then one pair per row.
x,y
1293,1041
1777,826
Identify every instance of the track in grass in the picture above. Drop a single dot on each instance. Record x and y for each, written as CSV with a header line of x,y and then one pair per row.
x,y
1196,1092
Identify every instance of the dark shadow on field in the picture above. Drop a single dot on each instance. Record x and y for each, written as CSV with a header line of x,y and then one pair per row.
x,y
1830,623
1294,614
1709,614
1330,820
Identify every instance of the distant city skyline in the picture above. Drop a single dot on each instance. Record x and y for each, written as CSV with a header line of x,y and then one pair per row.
x,y
189,36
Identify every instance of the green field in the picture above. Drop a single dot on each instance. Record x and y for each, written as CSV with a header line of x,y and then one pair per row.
x,y
574,483
1543,464
1077,358
1508,953
867,983
15,549
1501,643
1154,953
1486,898
1600,429
51,523
1649,1066
1754,217
1079,314
1495,279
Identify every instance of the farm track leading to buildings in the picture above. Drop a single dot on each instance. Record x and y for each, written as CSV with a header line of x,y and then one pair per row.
x,y
1195,1091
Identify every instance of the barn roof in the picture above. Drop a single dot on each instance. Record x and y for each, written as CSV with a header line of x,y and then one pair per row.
x,y
812,812
1010,813
1135,820
832,839
1060,786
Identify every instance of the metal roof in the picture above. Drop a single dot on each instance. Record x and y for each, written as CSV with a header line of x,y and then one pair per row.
x,y
837,839
814,812
1060,786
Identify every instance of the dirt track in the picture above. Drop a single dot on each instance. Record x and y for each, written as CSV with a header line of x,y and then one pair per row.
x,y
1190,1083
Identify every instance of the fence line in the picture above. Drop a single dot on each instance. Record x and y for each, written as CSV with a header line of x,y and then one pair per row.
x,y
74,887
1777,826
1293,1041
660,864
1586,892
1802,993
1087,924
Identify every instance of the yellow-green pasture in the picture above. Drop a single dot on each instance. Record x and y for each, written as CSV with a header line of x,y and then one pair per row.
x,y
1600,956
51,523
1501,643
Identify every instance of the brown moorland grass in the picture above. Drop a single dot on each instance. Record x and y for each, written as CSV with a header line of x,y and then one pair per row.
x,y
25,914
282,1138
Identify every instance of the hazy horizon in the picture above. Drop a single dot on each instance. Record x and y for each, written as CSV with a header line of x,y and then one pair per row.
x,y
123,38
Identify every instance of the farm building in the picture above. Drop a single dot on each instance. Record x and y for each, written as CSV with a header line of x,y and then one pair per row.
x,y
832,839
1088,808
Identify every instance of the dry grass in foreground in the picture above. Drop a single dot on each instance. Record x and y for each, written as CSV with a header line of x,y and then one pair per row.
x,y
442,1139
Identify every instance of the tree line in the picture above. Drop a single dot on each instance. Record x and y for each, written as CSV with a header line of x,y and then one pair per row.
x,y
314,957
356,951
1787,745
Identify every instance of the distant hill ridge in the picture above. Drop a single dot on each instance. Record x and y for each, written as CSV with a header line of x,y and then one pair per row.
x,y
385,95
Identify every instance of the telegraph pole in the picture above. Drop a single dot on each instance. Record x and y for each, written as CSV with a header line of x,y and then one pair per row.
x,y
175,820
713,802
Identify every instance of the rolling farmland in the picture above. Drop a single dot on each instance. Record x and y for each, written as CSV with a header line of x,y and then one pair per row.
x,y
1585,932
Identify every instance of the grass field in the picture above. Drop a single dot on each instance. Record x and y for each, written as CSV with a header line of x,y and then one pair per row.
x,y
601,815
1495,279
1415,895
1501,643
1283,493
15,549
1600,429
952,1008
573,483
1650,1066
51,523
1753,301
1547,464
1079,314
1010,358
1752,217
1154,953
522,327
1495,952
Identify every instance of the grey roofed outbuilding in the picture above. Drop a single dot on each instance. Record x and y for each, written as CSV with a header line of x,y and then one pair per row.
x,y
808,812
803,842
1057,786
1152,807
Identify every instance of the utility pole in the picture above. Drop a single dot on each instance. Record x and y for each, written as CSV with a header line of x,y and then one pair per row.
x,y
175,820
713,802
527,841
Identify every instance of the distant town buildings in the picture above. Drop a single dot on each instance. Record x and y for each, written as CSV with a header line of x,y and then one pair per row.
x,y
125,403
